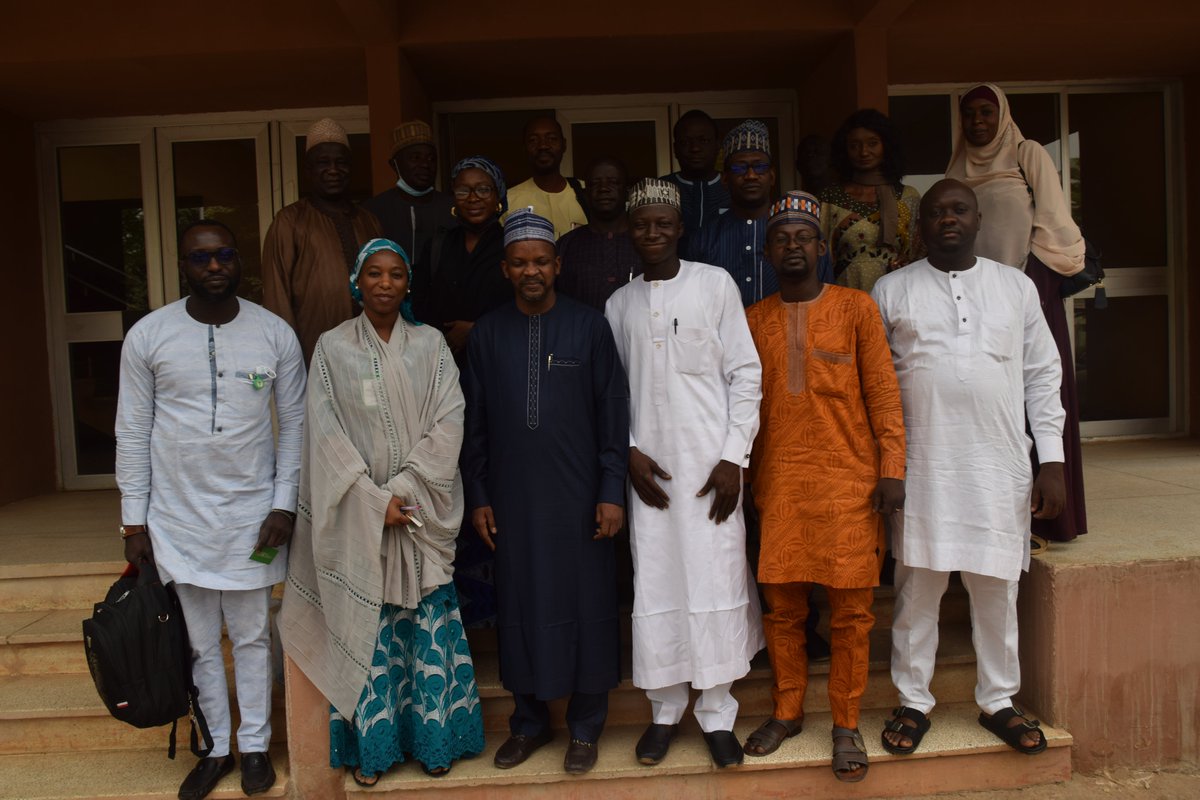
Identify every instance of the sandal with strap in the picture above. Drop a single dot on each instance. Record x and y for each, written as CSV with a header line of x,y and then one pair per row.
x,y
364,780
768,736
998,724
846,758
915,732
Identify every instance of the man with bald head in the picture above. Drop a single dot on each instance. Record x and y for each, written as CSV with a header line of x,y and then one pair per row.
x,y
559,199
975,359
312,244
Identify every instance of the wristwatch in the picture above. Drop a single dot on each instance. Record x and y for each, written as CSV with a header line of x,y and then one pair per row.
x,y
130,530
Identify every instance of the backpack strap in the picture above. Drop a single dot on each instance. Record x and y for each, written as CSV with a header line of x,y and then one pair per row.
x,y
199,724
1021,169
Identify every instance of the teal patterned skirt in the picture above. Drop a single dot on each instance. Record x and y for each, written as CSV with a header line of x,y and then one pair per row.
x,y
421,700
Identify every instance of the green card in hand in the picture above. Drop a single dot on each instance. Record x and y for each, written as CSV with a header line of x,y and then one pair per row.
x,y
264,556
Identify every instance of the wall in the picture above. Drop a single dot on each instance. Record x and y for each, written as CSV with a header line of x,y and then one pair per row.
x,y
1111,652
1191,217
27,459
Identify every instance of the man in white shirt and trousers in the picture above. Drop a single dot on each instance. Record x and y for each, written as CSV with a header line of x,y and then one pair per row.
x,y
204,485
695,385
974,358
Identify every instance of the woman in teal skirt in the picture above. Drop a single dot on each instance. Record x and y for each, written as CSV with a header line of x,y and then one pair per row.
x,y
370,613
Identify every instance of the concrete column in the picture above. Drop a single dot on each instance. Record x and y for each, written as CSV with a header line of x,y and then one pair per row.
x,y
308,739
852,75
394,95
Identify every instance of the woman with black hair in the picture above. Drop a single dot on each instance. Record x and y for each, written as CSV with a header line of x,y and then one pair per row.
x,y
869,218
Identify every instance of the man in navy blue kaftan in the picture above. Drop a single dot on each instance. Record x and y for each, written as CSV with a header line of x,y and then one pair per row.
x,y
544,465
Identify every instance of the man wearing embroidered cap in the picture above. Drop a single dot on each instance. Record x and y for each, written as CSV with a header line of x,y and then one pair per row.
x,y
544,466
827,465
413,209
311,246
694,381
734,240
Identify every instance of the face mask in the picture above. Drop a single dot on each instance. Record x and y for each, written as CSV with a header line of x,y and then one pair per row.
x,y
404,187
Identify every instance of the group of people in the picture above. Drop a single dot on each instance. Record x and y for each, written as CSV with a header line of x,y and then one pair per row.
x,y
474,392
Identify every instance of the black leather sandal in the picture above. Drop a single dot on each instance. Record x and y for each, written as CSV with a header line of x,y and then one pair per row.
x,y
915,732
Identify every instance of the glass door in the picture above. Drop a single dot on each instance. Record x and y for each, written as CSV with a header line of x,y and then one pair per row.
x,y
640,136
101,260
220,172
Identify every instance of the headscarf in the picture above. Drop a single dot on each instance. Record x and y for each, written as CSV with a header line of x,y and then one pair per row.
x,y
1019,192
493,171
996,160
370,248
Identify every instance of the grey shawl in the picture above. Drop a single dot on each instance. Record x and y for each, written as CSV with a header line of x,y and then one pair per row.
x,y
383,419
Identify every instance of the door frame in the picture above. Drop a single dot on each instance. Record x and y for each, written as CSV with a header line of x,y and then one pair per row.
x,y
153,135
782,104
64,328
1168,280
165,138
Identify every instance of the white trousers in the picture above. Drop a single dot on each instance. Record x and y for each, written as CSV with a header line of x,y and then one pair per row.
x,y
993,633
716,710
246,618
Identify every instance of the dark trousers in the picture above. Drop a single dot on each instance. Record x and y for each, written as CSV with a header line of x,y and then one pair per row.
x,y
586,714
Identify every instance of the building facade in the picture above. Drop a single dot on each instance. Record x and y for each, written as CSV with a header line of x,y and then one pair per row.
x,y
127,122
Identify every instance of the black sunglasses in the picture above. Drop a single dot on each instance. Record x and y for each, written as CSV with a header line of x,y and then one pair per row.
x,y
759,167
200,258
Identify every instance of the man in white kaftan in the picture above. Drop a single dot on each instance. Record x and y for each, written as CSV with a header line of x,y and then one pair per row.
x,y
695,387
973,356
204,484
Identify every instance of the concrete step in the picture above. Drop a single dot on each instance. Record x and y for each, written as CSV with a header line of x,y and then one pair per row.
x,y
41,642
32,592
61,713
118,775
51,641
953,681
957,754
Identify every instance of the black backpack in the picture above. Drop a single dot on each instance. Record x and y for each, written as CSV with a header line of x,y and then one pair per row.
x,y
137,649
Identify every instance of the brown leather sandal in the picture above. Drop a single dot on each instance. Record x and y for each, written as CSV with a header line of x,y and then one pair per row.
x,y
768,736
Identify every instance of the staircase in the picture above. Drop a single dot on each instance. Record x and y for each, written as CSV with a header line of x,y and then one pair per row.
x,y
57,741
957,754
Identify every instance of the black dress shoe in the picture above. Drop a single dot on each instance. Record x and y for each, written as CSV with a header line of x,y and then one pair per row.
x,y
581,756
204,777
520,747
655,742
257,773
725,748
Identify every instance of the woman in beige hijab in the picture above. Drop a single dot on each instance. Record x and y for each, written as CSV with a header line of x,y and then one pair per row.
x,y
1026,223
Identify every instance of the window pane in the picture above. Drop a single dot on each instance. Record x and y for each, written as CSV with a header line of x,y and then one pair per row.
x,y
1121,358
1118,175
923,124
631,142
219,180
1037,117
95,367
103,234
360,167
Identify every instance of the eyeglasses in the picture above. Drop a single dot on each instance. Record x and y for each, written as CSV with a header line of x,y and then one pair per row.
x,y
802,239
741,168
200,258
483,191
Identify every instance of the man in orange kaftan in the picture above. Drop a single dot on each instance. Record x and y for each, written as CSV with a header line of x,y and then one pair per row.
x,y
828,464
